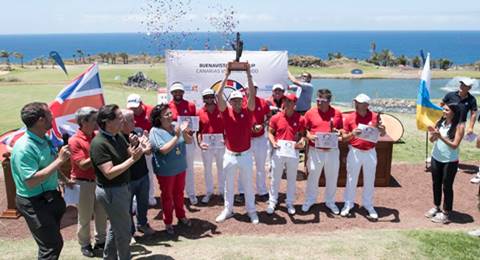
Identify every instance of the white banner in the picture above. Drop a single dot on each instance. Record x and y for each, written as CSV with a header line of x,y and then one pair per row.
x,y
199,70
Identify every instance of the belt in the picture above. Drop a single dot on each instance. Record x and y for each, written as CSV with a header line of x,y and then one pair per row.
x,y
83,179
235,153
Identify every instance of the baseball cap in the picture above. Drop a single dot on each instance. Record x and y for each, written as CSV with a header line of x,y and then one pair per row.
x,y
467,81
235,94
207,92
133,100
177,86
362,98
278,86
292,97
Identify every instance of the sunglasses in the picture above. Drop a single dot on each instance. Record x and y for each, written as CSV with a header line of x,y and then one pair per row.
x,y
209,97
323,100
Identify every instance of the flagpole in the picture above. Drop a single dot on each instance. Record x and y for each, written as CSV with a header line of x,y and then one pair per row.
x,y
426,151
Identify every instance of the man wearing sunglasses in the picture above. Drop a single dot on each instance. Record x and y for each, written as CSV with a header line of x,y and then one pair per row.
x,y
322,119
304,91
211,122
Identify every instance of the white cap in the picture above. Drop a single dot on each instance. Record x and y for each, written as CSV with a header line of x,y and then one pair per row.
x,y
467,81
208,91
235,94
177,86
133,101
278,86
362,98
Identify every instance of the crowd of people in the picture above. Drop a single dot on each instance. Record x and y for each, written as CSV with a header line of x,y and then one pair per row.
x,y
117,154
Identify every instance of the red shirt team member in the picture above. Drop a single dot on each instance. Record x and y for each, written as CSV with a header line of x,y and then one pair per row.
x,y
141,116
322,119
362,154
259,142
287,125
182,107
238,119
277,99
211,122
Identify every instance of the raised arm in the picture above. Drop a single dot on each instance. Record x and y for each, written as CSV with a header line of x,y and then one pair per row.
x,y
222,103
251,90
294,80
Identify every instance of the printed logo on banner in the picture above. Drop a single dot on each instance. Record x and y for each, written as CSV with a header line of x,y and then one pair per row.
x,y
231,86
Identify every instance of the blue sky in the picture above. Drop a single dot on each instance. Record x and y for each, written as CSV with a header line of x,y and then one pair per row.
x,y
89,16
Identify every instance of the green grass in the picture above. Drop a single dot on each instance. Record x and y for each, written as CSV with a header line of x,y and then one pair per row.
x,y
358,244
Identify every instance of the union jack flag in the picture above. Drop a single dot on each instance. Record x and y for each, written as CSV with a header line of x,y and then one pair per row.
x,y
84,90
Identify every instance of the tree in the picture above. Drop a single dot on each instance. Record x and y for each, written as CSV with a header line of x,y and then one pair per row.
x,y
444,64
416,62
373,47
402,60
386,58
19,56
144,57
335,55
374,59
124,57
6,55
41,60
80,55
114,58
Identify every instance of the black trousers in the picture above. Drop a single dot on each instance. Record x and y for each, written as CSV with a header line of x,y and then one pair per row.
x,y
443,175
43,214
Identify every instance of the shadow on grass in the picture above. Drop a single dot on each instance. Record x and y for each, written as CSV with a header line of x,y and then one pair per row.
x,y
155,257
198,230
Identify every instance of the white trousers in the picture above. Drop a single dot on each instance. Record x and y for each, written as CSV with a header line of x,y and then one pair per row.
x,y
242,163
329,161
190,178
356,159
152,177
278,163
259,147
207,158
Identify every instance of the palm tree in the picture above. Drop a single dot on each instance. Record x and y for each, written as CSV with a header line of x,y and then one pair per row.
x,y
386,58
114,58
6,55
402,60
41,61
80,55
124,57
144,57
416,62
373,47
19,56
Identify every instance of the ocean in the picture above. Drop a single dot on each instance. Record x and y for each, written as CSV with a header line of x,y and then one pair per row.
x,y
462,47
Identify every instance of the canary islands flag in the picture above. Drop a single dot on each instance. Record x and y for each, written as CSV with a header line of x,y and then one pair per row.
x,y
427,112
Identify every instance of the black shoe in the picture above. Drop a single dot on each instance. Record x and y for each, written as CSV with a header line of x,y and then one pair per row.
x,y
99,246
87,251
240,198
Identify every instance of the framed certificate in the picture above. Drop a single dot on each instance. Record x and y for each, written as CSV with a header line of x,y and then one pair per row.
x,y
368,133
214,141
326,140
286,149
193,121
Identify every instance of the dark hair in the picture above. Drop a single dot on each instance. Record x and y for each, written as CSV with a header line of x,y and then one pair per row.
x,y
457,113
106,113
307,73
325,91
31,112
155,115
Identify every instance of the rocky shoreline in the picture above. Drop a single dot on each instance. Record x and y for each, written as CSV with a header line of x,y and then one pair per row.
x,y
391,105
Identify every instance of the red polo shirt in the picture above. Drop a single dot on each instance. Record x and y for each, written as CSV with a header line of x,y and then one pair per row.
x,y
238,129
184,108
318,122
286,127
79,145
210,123
352,121
260,114
143,120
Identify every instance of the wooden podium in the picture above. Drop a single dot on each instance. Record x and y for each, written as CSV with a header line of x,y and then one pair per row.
x,y
11,211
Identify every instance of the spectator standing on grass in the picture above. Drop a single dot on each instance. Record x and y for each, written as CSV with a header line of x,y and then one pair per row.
x,y
447,136
35,164
112,156
84,175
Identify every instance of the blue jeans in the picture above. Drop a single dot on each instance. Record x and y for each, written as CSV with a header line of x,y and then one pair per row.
x,y
140,188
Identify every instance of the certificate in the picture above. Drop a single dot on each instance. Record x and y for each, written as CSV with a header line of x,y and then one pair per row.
x,y
326,140
368,133
286,149
72,195
214,141
193,122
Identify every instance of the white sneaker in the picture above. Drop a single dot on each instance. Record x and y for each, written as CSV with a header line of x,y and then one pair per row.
x,y
432,212
253,218
333,208
193,199
306,206
291,209
372,213
476,179
474,233
226,214
345,211
270,208
206,198
441,218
